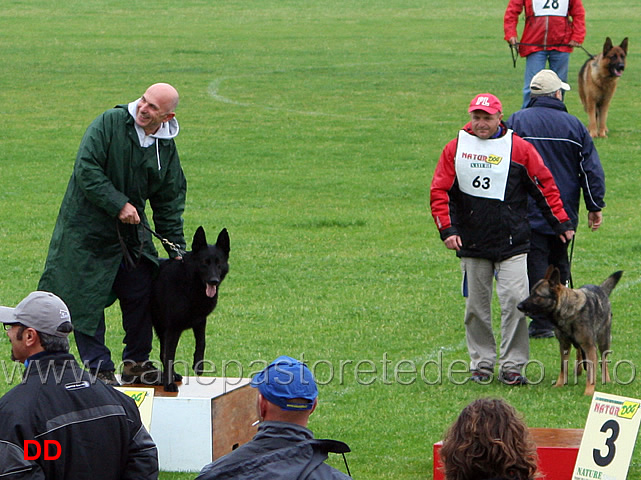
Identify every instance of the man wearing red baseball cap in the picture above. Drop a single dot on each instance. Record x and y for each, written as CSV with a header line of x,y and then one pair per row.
x,y
479,200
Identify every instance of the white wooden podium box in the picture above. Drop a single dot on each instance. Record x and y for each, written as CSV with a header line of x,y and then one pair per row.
x,y
206,419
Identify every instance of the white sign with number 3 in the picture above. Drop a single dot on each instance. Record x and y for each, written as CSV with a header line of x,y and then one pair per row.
x,y
608,438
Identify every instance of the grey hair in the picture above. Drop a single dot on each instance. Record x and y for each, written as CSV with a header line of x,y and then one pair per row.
x,y
551,94
53,344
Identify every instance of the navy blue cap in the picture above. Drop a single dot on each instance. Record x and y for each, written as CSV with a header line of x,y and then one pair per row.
x,y
285,379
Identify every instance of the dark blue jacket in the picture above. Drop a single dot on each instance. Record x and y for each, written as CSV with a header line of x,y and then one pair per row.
x,y
568,151
279,451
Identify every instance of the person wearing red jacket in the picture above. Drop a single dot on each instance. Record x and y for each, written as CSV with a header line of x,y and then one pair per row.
x,y
479,201
552,29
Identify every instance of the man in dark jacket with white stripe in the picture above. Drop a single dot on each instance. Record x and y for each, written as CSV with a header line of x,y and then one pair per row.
x,y
60,423
284,448
568,151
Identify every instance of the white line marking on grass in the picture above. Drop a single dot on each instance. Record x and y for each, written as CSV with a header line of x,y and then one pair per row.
x,y
214,92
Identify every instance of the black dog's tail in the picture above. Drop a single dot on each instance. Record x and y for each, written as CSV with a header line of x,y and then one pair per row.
x,y
611,282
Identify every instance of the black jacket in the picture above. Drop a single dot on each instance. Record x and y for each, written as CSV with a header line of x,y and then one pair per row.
x,y
97,427
491,228
279,451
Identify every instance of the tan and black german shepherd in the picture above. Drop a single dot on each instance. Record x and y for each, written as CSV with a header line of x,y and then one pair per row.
x,y
598,79
581,316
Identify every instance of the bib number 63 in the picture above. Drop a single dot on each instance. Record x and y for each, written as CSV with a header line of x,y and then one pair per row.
x,y
481,182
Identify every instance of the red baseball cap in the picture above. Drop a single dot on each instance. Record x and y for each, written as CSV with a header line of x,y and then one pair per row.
x,y
486,102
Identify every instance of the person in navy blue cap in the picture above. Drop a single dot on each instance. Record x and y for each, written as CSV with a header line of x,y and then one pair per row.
x,y
283,448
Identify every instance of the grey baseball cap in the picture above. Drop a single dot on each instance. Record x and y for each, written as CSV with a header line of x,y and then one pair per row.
x,y
42,311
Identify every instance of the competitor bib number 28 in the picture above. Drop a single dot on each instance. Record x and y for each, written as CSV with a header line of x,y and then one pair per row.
x,y
550,8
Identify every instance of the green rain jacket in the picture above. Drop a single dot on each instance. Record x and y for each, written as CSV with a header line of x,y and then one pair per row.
x,y
112,169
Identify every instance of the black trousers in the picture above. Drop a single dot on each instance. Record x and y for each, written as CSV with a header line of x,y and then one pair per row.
x,y
546,250
133,289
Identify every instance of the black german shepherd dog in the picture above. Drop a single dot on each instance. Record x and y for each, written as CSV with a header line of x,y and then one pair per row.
x,y
183,294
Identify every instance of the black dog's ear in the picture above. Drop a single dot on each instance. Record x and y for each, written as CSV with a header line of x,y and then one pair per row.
x,y
200,241
624,45
223,241
607,46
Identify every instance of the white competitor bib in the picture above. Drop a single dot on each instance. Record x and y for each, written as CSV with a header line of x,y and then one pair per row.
x,y
550,8
482,166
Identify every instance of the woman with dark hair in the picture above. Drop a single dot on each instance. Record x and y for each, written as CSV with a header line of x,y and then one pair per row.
x,y
489,441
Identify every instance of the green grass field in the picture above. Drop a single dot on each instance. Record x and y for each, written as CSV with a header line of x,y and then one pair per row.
x,y
310,130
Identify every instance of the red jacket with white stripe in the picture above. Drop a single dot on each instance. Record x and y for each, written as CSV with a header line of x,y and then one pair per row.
x,y
544,32
491,228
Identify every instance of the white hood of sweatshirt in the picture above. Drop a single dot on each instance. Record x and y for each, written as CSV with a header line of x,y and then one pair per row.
x,y
166,131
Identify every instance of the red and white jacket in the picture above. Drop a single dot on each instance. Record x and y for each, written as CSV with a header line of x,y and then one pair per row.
x,y
549,24
494,228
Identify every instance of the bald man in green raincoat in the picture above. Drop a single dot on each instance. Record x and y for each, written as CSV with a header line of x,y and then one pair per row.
x,y
99,249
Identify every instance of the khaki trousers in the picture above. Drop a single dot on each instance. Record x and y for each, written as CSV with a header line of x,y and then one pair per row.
x,y
511,288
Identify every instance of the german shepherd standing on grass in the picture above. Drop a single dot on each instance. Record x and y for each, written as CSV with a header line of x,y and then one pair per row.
x,y
183,294
582,317
598,79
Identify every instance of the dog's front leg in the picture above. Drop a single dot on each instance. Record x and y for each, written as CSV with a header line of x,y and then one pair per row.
x,y
199,351
605,374
591,110
590,368
563,373
602,118
168,359
580,361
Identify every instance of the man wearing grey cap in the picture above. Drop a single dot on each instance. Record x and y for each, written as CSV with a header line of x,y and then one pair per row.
x,y
283,448
59,422
568,151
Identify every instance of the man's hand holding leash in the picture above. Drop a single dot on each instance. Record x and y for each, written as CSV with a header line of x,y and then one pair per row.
x,y
129,214
566,236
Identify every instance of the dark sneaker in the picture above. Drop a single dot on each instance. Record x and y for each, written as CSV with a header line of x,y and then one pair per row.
x,y
513,378
145,373
108,377
541,333
481,377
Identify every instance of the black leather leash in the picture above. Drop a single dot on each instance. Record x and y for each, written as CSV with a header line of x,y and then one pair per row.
x,y
514,49
176,248
129,261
